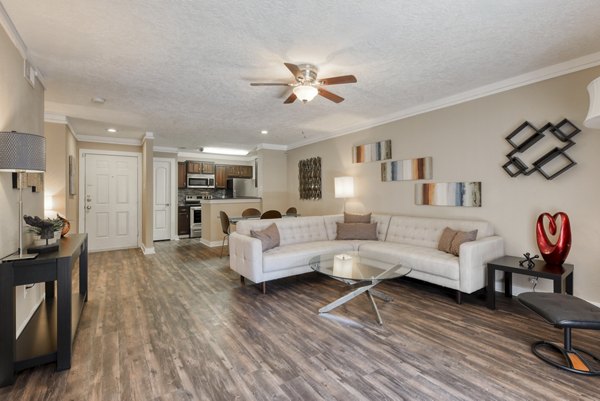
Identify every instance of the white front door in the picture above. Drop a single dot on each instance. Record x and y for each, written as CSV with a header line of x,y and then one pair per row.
x,y
111,201
162,200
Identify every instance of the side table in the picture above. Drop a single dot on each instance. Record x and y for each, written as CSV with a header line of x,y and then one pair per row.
x,y
49,334
561,275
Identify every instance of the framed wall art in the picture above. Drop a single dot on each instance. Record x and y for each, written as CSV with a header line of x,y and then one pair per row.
x,y
411,169
309,178
371,152
449,194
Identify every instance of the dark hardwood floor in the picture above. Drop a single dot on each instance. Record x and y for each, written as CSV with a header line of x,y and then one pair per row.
x,y
179,325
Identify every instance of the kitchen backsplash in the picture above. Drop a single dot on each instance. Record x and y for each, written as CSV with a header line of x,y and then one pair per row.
x,y
182,193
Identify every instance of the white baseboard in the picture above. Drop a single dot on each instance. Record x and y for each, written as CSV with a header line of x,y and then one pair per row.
x,y
147,251
211,244
543,286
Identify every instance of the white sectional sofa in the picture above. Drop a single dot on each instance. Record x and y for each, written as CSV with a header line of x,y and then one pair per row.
x,y
411,241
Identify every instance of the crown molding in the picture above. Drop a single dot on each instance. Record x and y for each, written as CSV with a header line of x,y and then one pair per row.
x,y
165,149
553,71
212,156
12,32
147,137
113,141
55,118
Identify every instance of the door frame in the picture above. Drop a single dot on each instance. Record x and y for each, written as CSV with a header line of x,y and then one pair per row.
x,y
138,156
174,189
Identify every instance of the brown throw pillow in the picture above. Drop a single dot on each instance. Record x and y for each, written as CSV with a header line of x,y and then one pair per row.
x,y
269,237
357,218
459,238
446,239
357,231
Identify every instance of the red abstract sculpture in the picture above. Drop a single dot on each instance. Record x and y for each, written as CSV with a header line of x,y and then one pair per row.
x,y
554,253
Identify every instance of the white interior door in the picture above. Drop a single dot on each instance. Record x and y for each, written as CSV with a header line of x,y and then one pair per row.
x,y
111,201
162,200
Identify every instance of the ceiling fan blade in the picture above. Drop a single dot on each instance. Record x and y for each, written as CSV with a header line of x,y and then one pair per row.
x,y
268,84
331,96
344,79
293,69
291,99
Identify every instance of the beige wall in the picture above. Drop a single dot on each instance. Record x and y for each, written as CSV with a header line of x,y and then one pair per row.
x,y
148,194
467,143
21,109
55,185
272,180
72,207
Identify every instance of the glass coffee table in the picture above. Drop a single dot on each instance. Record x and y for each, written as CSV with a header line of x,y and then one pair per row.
x,y
353,270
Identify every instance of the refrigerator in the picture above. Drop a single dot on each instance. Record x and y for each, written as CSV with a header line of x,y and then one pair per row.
x,y
241,187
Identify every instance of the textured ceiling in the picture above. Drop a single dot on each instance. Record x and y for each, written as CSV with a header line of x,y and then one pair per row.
x,y
181,69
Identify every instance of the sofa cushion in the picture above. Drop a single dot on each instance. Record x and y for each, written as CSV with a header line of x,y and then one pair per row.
x,y
366,231
425,231
286,257
292,230
382,220
459,238
269,237
357,218
446,239
419,258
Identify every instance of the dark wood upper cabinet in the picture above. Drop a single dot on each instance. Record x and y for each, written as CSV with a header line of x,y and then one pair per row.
x,y
181,175
239,171
208,168
194,167
220,176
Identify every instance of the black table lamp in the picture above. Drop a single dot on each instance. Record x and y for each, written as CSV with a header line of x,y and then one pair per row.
x,y
22,153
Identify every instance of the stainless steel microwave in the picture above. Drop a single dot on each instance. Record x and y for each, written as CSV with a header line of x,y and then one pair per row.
x,y
200,181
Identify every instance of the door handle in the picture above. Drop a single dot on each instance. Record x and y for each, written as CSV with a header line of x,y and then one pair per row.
x,y
167,204
88,207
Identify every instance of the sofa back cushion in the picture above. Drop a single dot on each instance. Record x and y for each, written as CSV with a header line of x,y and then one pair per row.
x,y
292,230
424,231
382,220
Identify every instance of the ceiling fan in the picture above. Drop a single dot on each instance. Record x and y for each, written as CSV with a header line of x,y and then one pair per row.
x,y
307,86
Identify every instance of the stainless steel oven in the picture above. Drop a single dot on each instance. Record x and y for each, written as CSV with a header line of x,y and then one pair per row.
x,y
195,221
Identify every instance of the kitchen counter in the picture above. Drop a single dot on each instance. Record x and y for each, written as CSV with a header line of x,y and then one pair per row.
x,y
212,234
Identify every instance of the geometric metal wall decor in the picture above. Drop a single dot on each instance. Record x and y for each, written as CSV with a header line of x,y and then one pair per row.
x,y
546,153
449,194
372,152
411,169
309,178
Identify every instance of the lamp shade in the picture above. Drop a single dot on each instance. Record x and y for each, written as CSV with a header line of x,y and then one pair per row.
x,y
22,152
344,187
593,118
305,93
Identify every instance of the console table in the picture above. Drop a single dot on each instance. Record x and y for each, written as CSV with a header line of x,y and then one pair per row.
x,y
561,275
49,334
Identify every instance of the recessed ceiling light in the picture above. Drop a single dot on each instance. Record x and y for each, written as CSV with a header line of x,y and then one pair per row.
x,y
225,151
264,132
99,100
111,130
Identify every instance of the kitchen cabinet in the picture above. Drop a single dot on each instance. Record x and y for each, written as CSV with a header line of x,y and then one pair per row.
x,y
181,175
199,167
194,167
208,168
183,220
239,171
220,176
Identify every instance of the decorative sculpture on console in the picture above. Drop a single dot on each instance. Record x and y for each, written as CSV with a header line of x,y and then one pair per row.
x,y
554,252
530,260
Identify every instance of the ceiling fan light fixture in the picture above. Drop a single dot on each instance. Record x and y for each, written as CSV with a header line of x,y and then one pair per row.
x,y
305,93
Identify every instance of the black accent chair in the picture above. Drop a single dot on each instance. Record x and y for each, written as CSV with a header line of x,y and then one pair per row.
x,y
271,214
225,226
565,312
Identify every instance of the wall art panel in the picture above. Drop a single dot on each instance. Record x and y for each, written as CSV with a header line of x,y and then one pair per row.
x,y
411,169
309,178
448,194
372,152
